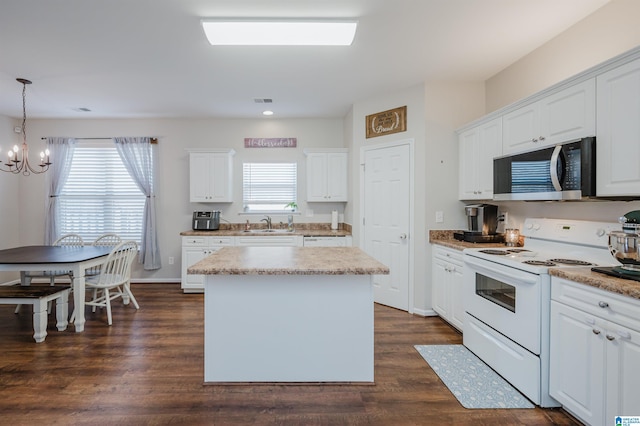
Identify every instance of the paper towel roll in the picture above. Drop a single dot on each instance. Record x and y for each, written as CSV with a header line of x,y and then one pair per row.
x,y
334,219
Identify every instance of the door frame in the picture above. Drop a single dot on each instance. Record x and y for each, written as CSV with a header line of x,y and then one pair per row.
x,y
363,149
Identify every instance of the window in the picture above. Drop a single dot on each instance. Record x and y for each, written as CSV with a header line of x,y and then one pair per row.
x,y
100,196
269,187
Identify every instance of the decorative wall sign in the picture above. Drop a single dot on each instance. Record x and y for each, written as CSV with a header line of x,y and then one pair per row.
x,y
270,142
387,122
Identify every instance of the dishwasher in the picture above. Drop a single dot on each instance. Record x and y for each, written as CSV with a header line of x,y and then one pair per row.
x,y
337,241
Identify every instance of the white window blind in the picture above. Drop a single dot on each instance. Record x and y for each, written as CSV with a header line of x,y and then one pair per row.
x,y
268,186
100,196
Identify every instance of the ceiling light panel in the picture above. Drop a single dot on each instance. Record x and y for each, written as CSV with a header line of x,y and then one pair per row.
x,y
221,32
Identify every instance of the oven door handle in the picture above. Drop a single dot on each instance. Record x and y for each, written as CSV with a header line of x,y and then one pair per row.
x,y
504,273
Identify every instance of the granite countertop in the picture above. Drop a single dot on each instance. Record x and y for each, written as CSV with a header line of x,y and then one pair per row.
x,y
585,275
289,261
242,233
445,238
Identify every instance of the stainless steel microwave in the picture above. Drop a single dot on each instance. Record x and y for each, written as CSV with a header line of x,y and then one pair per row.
x,y
561,172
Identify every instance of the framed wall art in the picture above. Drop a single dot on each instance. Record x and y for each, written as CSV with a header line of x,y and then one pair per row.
x,y
386,122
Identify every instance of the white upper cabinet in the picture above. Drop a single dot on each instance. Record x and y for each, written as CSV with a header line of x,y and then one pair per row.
x,y
327,175
560,117
211,176
618,136
478,146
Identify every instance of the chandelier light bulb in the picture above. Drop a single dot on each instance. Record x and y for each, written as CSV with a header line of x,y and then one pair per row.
x,y
15,148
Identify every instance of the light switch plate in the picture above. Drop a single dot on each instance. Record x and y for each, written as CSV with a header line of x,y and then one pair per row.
x,y
439,217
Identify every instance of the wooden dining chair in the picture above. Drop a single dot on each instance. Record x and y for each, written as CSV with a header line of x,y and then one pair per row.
x,y
104,240
27,276
113,280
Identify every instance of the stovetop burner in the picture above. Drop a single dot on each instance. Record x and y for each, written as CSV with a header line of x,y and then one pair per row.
x,y
496,252
539,262
572,262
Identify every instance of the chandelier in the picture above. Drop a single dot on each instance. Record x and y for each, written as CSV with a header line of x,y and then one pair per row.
x,y
18,159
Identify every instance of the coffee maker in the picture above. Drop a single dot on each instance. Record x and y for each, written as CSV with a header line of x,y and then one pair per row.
x,y
482,223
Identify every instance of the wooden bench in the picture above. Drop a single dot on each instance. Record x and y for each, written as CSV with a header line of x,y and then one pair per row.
x,y
39,296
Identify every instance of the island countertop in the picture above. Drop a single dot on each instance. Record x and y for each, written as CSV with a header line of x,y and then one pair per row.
x,y
289,261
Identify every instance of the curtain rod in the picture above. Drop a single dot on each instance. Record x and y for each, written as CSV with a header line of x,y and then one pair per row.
x,y
153,140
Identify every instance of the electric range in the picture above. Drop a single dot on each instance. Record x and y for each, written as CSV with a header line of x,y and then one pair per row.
x,y
507,297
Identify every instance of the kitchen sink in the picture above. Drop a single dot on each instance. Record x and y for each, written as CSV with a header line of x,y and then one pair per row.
x,y
269,231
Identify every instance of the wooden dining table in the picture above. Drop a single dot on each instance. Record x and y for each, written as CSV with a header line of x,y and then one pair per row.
x,y
58,258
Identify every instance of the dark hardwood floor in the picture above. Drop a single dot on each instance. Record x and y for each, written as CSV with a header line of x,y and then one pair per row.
x,y
147,368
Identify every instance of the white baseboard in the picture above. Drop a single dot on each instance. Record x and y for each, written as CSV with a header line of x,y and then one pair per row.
x,y
156,280
424,312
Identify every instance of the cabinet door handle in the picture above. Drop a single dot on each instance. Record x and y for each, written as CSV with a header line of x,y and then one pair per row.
x,y
610,337
595,331
624,334
534,140
603,304
541,138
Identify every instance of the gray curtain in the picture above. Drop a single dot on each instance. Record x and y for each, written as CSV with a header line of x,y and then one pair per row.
x,y
60,156
137,156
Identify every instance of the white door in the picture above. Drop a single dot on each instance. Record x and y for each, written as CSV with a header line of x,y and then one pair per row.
x,y
386,220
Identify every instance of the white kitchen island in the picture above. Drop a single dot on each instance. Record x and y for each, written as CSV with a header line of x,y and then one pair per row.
x,y
288,314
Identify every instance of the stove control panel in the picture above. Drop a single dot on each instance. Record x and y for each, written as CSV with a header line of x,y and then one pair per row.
x,y
576,231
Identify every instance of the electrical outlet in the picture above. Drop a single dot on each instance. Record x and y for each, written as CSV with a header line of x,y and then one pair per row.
x,y
171,260
439,217
309,213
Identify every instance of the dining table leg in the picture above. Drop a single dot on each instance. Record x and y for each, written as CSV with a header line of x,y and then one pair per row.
x,y
78,297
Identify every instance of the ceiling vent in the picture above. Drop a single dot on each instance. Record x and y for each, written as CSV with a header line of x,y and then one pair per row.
x,y
263,100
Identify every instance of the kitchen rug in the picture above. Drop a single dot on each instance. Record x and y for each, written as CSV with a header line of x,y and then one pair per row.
x,y
469,379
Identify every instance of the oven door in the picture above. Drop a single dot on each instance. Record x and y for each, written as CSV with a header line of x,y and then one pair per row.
x,y
506,299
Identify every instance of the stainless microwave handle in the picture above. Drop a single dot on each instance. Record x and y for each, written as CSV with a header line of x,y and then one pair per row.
x,y
554,168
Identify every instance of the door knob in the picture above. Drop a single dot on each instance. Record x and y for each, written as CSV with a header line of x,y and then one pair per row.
x,y
403,236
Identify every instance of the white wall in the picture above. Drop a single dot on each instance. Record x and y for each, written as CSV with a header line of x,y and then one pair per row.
x,y
447,106
10,221
608,32
175,136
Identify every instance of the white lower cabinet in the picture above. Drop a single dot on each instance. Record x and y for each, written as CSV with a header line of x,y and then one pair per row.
x,y
194,249
595,352
446,285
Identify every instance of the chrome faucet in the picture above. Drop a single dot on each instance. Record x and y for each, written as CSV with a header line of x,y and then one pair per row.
x,y
268,220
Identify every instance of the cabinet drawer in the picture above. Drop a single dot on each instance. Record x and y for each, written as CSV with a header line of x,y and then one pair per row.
x,y
610,306
220,241
448,255
194,241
